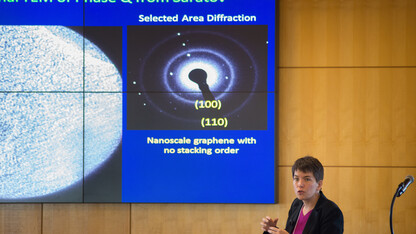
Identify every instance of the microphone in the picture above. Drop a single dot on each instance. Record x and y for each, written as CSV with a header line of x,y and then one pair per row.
x,y
403,185
400,190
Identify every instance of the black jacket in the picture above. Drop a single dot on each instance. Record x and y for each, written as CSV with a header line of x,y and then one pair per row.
x,y
326,217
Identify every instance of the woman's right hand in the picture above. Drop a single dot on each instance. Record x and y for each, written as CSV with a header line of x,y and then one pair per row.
x,y
267,223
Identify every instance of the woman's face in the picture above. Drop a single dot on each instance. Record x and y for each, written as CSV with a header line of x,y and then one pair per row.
x,y
305,185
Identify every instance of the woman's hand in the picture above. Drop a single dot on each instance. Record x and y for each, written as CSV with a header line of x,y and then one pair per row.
x,y
267,223
275,230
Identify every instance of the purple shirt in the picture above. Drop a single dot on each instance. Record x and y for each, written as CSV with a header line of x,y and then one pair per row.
x,y
300,225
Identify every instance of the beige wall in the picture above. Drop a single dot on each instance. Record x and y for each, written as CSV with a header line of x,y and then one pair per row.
x,y
347,82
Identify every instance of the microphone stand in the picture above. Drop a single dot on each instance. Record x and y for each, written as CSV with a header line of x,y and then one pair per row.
x,y
391,207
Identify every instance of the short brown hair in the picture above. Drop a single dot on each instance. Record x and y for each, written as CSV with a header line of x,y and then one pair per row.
x,y
309,164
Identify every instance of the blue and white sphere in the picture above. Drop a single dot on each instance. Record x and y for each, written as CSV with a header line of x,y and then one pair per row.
x,y
58,123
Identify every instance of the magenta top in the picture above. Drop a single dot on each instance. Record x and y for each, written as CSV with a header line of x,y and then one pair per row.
x,y
300,225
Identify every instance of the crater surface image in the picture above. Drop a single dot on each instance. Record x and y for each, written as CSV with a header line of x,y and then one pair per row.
x,y
170,68
58,121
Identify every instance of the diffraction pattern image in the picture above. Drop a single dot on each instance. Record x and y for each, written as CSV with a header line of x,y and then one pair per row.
x,y
197,77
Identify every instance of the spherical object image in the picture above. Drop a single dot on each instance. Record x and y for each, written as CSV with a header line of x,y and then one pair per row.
x,y
60,110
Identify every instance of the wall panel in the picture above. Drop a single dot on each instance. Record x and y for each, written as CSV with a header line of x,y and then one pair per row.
x,y
86,218
348,116
21,218
347,33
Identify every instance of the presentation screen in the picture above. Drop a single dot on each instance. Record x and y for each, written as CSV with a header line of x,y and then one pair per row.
x,y
138,101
